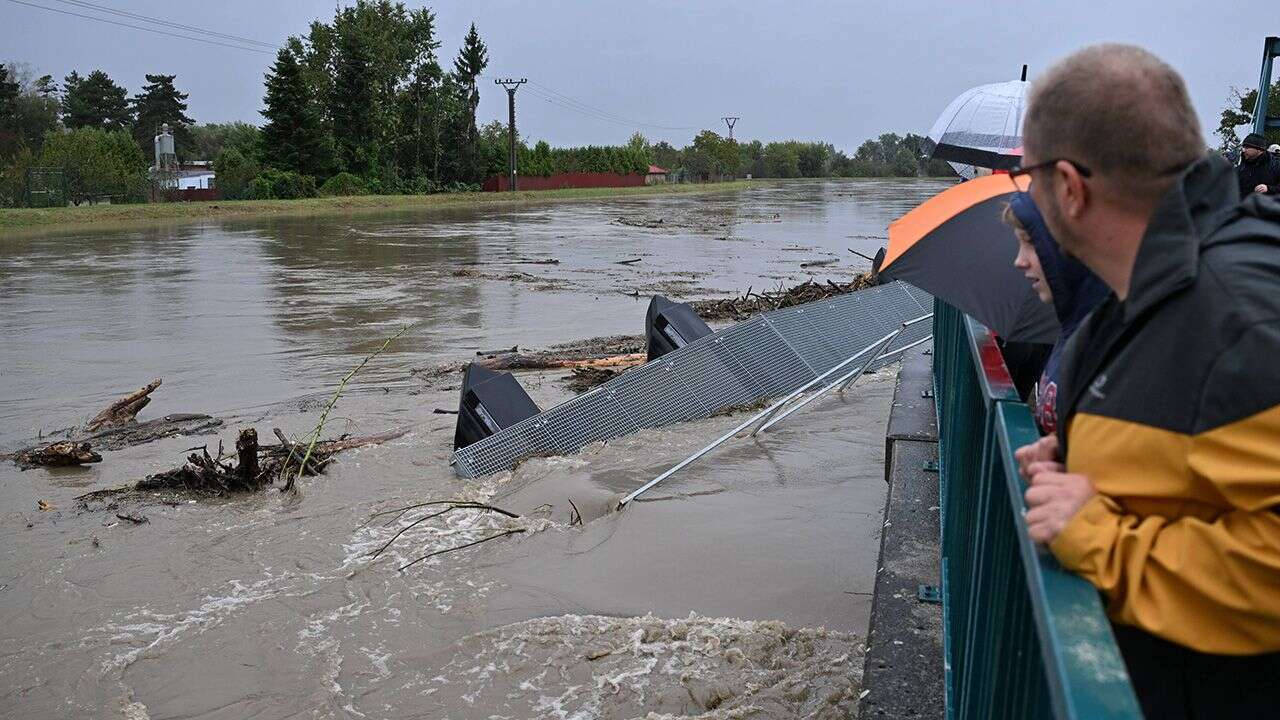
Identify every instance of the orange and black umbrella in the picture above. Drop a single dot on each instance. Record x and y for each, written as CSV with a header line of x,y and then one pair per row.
x,y
955,247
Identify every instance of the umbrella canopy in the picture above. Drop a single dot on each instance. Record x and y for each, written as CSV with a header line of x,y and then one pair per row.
x,y
982,127
955,247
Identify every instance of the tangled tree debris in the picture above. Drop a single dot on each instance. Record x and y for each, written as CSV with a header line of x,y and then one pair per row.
x,y
616,351
250,468
641,222
114,428
60,454
750,303
583,379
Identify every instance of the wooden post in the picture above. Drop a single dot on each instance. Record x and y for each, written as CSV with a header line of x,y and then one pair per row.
x,y
247,454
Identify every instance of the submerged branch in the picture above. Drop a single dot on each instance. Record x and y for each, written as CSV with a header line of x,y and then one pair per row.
x,y
460,547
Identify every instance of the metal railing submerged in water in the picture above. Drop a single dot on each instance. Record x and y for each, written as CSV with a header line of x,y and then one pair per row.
x,y
1023,638
774,413
767,356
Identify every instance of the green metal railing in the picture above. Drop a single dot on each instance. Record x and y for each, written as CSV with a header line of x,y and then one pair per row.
x,y
1023,638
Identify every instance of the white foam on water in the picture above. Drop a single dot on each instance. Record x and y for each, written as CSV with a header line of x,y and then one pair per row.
x,y
155,629
573,666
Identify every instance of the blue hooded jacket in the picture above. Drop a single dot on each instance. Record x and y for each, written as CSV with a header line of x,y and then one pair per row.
x,y
1076,292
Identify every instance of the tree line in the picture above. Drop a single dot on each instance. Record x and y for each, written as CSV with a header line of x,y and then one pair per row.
x,y
358,104
91,129
711,156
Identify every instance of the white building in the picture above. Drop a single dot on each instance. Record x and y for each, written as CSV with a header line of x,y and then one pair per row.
x,y
194,178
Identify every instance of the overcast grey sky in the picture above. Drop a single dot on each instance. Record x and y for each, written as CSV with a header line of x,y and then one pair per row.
x,y
835,71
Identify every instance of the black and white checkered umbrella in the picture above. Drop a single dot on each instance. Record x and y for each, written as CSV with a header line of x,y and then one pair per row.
x,y
982,128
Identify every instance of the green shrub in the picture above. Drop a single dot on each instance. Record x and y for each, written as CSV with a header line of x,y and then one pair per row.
x,y
343,184
235,174
98,164
272,184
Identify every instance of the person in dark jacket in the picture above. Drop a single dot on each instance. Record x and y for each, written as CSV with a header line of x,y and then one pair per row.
x,y
1259,170
1162,486
1072,289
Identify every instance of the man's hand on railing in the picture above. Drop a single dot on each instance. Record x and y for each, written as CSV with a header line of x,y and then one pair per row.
x,y
1053,499
1043,450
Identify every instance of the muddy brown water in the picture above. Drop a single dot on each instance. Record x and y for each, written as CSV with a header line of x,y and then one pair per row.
x,y
739,589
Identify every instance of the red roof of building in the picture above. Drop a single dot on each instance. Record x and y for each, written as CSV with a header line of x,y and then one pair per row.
x,y
655,170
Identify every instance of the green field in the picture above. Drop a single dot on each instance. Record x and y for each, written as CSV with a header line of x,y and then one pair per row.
x,y
117,215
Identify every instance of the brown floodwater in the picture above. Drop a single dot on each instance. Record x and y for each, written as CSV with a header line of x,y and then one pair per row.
x,y
740,587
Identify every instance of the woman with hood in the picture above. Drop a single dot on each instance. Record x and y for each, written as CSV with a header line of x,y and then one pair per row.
x,y
1063,281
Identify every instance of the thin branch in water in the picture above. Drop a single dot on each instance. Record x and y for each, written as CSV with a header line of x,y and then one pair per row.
x,y
451,508
461,547
576,512
415,506
374,555
315,434
405,509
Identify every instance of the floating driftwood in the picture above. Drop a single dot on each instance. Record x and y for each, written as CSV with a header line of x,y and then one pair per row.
x,y
124,410
617,351
60,454
138,433
750,303
542,361
114,428
819,263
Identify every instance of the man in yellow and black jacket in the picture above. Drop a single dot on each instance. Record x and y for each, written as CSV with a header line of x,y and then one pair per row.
x,y
1163,486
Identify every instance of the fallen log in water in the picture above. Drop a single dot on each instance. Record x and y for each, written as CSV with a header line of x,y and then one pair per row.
x,y
545,361
138,433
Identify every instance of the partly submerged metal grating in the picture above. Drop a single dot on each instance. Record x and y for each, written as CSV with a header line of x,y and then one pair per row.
x,y
767,356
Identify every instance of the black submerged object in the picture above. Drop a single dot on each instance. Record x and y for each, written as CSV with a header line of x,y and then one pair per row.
x,y
670,325
491,401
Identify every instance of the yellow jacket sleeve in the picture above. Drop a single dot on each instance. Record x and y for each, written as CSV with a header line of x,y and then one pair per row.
x,y
1209,583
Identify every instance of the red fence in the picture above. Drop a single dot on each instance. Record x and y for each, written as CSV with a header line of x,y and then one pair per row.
x,y
185,195
499,183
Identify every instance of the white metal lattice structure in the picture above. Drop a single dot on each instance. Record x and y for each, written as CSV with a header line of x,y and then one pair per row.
x,y
768,356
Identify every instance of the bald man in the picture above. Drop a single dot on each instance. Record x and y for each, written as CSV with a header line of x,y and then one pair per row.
x,y
1162,487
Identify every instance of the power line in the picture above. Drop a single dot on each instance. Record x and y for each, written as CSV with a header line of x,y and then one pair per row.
x,y
552,96
168,23
573,101
565,106
141,27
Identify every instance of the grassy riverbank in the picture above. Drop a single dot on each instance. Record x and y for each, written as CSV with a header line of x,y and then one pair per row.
x,y
89,216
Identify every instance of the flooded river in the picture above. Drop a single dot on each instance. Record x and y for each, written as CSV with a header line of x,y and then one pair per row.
x,y
739,589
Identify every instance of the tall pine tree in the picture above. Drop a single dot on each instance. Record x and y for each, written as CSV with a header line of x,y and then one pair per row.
x,y
472,59
95,101
292,138
157,104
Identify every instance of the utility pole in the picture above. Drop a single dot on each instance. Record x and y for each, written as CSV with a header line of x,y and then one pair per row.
x,y
511,86
730,121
